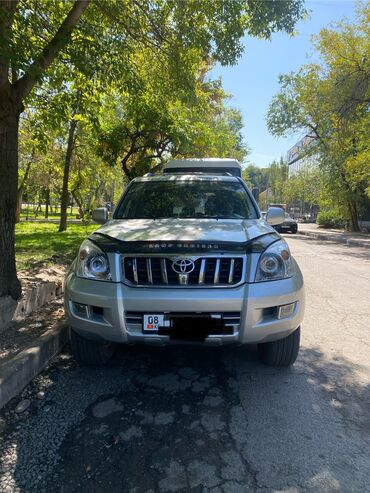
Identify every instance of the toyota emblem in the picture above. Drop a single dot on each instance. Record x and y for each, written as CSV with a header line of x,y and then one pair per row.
x,y
183,265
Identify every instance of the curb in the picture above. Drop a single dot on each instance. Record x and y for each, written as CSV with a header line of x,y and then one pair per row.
x,y
335,238
33,298
18,372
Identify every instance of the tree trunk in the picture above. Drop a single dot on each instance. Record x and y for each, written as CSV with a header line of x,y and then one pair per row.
x,y
19,204
353,216
39,206
47,203
9,121
67,166
351,203
81,209
21,190
11,106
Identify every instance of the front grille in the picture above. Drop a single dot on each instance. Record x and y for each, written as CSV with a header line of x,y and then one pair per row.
x,y
159,271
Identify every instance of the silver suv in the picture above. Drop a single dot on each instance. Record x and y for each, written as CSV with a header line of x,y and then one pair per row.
x,y
185,259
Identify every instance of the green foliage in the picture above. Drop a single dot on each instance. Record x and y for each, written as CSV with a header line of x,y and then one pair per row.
x,y
152,56
108,29
94,184
277,178
330,219
329,101
91,181
256,177
141,129
305,185
270,181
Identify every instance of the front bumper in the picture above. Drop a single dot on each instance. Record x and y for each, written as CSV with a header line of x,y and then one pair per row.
x,y
108,303
282,228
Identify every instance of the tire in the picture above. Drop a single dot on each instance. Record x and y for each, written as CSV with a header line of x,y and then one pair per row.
x,y
283,352
90,353
294,230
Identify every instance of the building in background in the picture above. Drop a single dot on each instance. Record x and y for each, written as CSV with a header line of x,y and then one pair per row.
x,y
303,158
302,155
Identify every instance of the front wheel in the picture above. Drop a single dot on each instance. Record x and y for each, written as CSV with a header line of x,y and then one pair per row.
x,y
90,353
283,352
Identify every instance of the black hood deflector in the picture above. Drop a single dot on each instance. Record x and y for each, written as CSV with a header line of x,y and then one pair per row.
x,y
112,245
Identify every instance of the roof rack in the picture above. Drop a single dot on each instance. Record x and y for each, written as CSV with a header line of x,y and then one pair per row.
x,y
218,173
225,167
190,172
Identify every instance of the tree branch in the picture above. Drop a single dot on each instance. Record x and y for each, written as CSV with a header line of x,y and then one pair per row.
x,y
51,50
314,129
143,39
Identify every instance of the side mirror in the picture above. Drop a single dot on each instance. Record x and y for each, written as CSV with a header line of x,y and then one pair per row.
x,y
275,215
100,215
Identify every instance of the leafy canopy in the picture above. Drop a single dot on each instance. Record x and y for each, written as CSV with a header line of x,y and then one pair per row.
x,y
329,101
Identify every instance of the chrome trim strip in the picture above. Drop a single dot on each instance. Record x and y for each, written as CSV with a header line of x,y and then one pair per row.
x,y
149,270
216,277
164,270
202,271
134,323
179,286
231,272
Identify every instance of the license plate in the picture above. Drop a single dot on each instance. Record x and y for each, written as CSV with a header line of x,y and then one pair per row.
x,y
152,322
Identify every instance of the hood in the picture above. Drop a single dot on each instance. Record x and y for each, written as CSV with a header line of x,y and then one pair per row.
x,y
185,230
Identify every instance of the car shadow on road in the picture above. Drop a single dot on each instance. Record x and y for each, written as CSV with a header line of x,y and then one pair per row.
x,y
188,418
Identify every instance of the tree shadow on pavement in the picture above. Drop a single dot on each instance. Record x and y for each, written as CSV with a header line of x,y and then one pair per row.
x,y
332,247
195,419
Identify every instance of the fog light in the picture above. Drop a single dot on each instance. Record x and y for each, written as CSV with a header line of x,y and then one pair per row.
x,y
81,310
285,311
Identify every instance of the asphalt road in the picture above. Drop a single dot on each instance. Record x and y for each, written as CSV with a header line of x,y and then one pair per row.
x,y
197,420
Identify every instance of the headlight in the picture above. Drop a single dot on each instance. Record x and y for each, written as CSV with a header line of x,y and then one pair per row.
x,y
275,263
92,262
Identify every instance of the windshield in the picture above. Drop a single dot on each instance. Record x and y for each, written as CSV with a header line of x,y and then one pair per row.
x,y
186,199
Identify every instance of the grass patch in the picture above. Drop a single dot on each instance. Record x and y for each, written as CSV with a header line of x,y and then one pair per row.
x,y
38,243
28,211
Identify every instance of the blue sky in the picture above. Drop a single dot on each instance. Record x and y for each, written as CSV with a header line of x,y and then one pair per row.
x,y
254,80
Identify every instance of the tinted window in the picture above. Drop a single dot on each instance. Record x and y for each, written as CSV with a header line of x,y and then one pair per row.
x,y
186,199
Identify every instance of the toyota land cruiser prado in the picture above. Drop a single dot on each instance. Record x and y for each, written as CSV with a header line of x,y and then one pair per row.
x,y
186,259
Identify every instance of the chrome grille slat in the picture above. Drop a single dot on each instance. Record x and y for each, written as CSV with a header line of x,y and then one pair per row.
x,y
231,272
164,270
216,277
134,269
202,270
149,270
208,271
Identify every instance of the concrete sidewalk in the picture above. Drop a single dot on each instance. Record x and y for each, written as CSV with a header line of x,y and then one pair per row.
x,y
335,235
